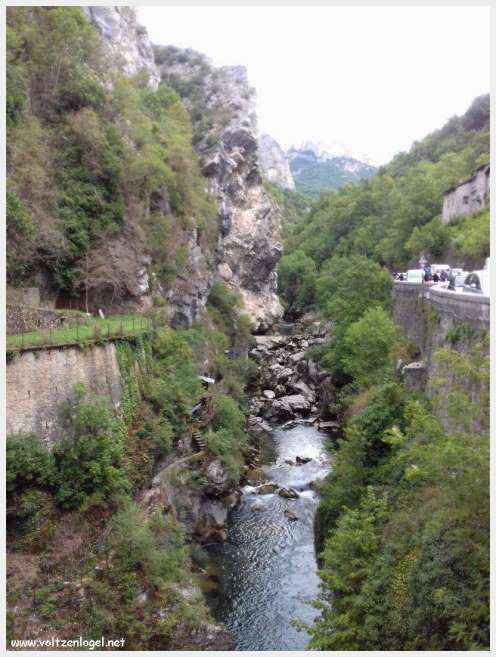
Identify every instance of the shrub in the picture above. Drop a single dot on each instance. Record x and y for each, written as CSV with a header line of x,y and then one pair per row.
x,y
227,416
89,457
348,286
21,232
29,464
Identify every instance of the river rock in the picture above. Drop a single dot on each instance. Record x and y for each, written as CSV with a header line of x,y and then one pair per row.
x,y
214,514
329,426
217,478
270,341
301,460
232,499
296,403
295,358
289,493
302,388
290,515
257,426
284,374
266,489
269,394
257,507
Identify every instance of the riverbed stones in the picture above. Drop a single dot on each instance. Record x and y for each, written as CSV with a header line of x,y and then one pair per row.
x,y
217,478
257,507
288,493
301,460
290,383
302,388
329,426
267,489
292,404
290,515
214,514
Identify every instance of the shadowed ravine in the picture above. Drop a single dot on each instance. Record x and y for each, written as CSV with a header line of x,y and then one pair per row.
x,y
268,569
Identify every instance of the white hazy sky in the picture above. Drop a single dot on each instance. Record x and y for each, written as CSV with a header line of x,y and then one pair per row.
x,y
372,78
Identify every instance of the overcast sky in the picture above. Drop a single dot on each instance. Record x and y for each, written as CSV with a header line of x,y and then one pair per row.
x,y
373,79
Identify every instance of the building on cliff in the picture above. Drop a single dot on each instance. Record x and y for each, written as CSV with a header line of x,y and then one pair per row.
x,y
467,197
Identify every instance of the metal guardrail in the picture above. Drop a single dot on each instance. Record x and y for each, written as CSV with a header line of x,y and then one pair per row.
x,y
78,334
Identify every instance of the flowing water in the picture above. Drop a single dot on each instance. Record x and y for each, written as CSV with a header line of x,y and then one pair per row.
x,y
267,570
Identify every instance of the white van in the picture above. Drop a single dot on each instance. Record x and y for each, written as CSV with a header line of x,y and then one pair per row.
x,y
415,275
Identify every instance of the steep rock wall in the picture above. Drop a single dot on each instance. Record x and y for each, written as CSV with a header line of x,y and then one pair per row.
x,y
125,40
434,319
38,382
222,107
274,163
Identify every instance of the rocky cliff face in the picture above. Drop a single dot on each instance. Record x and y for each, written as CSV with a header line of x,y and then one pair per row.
x,y
274,163
126,41
221,105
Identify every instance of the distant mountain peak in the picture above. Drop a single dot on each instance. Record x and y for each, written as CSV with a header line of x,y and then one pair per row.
x,y
316,166
328,150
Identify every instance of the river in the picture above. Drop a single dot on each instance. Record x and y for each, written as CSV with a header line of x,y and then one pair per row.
x,y
267,571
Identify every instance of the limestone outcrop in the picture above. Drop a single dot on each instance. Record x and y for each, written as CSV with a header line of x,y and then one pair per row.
x,y
274,163
126,42
222,107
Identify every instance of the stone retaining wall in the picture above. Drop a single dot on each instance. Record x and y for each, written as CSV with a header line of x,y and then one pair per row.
x,y
38,382
416,306
430,317
23,296
23,319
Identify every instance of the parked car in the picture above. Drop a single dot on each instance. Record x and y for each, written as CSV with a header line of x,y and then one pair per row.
x,y
415,275
460,279
477,282
437,269
458,282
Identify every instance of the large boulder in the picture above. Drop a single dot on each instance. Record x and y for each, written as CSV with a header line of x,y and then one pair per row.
x,y
288,493
214,514
302,388
217,478
297,403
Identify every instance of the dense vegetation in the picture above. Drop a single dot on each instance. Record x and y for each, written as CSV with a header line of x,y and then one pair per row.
x,y
313,175
402,527
403,522
394,216
107,562
99,167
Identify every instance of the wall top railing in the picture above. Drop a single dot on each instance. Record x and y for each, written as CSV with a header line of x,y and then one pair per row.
x,y
464,306
434,291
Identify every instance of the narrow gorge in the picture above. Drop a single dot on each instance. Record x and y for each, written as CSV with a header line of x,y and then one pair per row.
x,y
230,424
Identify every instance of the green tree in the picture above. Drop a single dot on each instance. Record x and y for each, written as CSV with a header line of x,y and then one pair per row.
x,y
296,281
368,345
89,457
348,286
